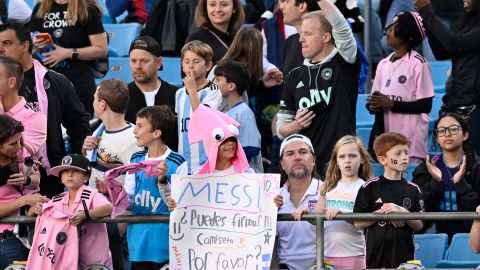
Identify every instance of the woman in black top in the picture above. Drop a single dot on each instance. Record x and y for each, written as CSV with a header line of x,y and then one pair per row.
x,y
77,27
462,46
218,22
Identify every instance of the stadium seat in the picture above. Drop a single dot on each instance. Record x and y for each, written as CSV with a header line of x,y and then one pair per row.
x,y
172,70
430,248
410,168
377,169
121,35
364,135
436,106
440,72
459,254
364,118
119,68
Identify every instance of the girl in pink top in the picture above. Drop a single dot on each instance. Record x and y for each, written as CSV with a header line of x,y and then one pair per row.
x,y
402,91
16,180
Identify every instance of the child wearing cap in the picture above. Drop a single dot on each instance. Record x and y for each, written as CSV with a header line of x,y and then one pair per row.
x,y
402,91
389,243
79,203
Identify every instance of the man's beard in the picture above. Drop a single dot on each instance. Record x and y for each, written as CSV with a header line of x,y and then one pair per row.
x,y
298,173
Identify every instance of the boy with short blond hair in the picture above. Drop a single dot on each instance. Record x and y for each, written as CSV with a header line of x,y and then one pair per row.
x,y
148,242
196,63
389,243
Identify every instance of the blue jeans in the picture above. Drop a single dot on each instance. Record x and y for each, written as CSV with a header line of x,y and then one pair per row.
x,y
396,7
11,249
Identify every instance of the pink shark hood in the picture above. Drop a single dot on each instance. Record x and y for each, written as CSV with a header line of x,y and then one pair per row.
x,y
213,127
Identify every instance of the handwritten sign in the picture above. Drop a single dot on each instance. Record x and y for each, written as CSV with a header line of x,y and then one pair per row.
x,y
223,221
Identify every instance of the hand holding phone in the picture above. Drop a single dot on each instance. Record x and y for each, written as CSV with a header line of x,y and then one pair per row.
x,y
45,37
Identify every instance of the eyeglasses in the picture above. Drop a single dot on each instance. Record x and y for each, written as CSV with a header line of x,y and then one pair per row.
x,y
453,129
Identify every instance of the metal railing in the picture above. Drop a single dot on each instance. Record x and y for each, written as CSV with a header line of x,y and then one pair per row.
x,y
316,219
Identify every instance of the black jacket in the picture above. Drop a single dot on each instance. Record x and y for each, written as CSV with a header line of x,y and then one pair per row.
x,y
165,96
64,108
467,189
463,85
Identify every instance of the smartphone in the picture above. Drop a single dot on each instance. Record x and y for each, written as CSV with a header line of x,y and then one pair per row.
x,y
318,108
45,36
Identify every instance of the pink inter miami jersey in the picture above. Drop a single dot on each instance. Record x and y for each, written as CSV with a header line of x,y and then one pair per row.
x,y
55,244
407,79
92,240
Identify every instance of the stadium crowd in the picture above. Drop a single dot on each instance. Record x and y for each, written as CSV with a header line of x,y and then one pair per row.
x,y
287,86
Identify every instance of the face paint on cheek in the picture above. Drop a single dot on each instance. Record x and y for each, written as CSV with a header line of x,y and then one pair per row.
x,y
394,161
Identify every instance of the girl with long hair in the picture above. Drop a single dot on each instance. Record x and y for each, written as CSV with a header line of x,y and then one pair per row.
x,y
19,176
76,30
218,22
450,180
349,165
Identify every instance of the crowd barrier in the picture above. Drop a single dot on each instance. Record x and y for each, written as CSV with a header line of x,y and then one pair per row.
x,y
316,219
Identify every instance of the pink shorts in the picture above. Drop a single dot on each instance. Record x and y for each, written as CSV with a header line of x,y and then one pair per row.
x,y
354,262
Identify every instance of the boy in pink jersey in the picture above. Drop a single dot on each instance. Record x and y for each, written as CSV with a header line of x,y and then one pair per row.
x,y
402,91
80,202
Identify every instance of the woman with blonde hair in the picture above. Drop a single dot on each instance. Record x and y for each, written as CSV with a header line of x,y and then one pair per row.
x,y
349,165
218,22
76,30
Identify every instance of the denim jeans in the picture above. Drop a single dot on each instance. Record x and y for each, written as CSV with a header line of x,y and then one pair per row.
x,y
11,249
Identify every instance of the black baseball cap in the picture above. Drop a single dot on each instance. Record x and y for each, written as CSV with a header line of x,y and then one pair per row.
x,y
148,44
72,161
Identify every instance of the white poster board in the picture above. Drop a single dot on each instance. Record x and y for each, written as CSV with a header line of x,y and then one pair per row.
x,y
223,221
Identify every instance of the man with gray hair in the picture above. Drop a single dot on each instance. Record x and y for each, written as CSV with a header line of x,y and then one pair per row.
x,y
296,240
319,97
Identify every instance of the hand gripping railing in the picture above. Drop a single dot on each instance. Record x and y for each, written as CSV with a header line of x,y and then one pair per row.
x,y
316,219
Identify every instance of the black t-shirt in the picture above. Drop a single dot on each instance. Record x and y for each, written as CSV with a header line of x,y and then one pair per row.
x,y
386,245
331,87
206,36
28,89
68,36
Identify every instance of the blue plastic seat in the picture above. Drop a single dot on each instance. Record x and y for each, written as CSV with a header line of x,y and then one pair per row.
x,y
364,135
377,169
440,72
430,248
364,118
171,72
410,168
459,253
119,68
121,35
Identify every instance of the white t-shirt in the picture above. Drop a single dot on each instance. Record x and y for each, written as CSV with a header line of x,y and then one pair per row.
x,y
19,11
150,97
297,240
341,237
114,149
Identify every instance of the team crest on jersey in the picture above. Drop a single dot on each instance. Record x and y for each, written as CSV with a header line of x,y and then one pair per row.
x,y
61,238
326,73
407,203
66,161
402,79
58,33
311,205
46,84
